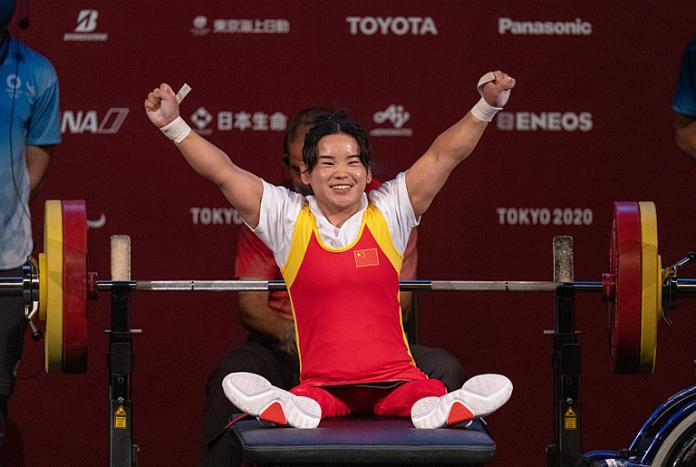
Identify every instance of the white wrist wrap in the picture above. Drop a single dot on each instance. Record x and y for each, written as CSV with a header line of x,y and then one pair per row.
x,y
176,130
484,111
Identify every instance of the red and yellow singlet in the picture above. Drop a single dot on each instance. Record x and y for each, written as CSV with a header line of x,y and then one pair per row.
x,y
346,305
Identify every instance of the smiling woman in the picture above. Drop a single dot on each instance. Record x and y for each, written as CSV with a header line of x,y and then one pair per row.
x,y
338,244
339,177
336,163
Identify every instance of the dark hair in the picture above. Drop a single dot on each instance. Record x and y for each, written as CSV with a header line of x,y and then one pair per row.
x,y
304,118
337,123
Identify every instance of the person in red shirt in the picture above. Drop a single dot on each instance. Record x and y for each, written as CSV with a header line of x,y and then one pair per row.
x,y
270,349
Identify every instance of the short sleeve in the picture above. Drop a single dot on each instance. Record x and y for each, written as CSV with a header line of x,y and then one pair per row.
x,y
279,209
44,125
393,201
684,100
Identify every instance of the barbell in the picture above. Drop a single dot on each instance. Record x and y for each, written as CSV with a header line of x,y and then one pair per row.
x,y
57,286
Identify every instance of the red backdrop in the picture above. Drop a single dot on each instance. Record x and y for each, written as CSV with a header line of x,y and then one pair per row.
x,y
589,123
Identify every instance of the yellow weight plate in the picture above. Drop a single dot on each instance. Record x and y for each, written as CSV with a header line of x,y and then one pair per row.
x,y
43,286
652,285
53,248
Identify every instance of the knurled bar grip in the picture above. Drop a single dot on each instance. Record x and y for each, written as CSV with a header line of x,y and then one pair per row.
x,y
416,285
13,286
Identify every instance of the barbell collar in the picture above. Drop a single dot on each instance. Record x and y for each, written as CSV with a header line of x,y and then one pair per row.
x,y
26,285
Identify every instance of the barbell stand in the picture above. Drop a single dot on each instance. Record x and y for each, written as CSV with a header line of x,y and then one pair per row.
x,y
565,362
120,361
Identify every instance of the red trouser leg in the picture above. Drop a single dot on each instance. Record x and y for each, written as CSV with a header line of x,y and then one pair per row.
x,y
331,406
398,403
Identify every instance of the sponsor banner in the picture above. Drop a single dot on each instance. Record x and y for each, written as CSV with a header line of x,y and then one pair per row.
x,y
544,121
395,114
227,120
91,121
85,28
202,27
577,27
396,25
215,216
544,216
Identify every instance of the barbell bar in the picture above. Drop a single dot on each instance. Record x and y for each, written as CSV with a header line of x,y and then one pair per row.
x,y
637,288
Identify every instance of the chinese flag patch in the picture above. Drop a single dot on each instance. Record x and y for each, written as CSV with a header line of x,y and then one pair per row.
x,y
366,258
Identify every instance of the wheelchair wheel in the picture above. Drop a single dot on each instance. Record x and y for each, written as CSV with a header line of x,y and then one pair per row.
x,y
679,448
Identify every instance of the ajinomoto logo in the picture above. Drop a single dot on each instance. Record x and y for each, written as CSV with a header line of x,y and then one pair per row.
x,y
397,116
91,121
85,27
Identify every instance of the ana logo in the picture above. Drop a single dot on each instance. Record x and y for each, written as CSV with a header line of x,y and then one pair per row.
x,y
399,25
397,116
544,121
78,122
84,31
201,118
200,26
87,21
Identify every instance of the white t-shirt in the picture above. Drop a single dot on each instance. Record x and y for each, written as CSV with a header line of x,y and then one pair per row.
x,y
280,208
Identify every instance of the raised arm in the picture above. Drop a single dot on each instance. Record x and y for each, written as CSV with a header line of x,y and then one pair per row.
x,y
428,174
241,188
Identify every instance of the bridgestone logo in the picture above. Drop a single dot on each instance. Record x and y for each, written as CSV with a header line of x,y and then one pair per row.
x,y
544,28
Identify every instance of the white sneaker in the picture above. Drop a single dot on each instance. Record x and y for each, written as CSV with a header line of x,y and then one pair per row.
x,y
480,396
256,396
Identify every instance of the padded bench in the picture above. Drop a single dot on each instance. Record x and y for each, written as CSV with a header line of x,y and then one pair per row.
x,y
363,440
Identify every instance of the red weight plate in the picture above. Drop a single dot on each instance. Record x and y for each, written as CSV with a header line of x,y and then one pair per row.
x,y
625,312
75,335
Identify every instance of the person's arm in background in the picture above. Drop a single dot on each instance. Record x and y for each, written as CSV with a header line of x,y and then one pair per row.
x,y
255,261
38,159
409,268
684,102
685,134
